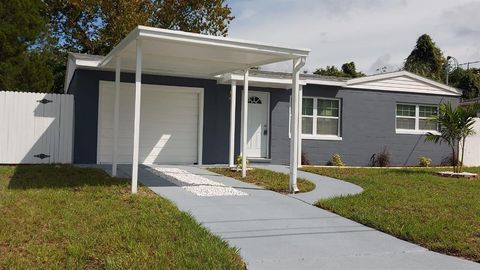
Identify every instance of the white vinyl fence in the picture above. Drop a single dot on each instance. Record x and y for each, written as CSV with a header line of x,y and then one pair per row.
x,y
472,147
35,128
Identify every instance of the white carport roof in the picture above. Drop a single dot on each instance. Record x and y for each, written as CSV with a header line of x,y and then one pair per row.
x,y
188,54
165,52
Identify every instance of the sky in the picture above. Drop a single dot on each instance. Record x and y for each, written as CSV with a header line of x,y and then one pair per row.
x,y
372,33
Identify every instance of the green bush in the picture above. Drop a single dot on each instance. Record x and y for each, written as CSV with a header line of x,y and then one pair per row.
x,y
238,162
424,161
337,160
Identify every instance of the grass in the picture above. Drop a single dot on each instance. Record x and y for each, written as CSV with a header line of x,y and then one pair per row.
x,y
63,217
442,214
278,182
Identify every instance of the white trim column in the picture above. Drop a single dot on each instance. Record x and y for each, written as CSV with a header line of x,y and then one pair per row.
x,y
136,125
200,128
244,123
300,104
298,63
233,100
116,108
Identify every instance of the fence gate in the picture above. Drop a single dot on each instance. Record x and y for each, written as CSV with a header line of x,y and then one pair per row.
x,y
472,146
35,128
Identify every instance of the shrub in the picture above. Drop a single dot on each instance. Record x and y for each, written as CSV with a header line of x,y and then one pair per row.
x,y
238,162
450,160
424,161
383,158
337,160
305,160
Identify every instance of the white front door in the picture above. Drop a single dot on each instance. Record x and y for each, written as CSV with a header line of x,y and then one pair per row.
x,y
257,131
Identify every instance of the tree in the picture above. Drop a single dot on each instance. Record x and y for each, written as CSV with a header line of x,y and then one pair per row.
x,y
22,65
456,124
468,80
96,26
348,70
426,59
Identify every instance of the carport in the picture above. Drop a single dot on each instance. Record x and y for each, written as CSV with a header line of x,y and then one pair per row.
x,y
148,50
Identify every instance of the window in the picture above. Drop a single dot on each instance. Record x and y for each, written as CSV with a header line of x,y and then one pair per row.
x,y
320,117
254,100
412,118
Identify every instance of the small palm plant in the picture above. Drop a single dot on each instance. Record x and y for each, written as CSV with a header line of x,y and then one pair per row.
x,y
456,124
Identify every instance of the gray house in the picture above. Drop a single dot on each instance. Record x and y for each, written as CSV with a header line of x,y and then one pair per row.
x,y
186,118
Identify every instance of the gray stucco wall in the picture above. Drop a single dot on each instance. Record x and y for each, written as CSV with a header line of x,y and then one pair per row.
x,y
367,125
367,121
85,85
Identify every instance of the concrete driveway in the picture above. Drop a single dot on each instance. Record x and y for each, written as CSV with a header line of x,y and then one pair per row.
x,y
275,231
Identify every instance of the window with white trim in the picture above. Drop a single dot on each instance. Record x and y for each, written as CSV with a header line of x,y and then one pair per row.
x,y
320,117
416,118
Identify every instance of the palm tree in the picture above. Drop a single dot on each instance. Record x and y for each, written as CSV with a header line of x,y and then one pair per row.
x,y
466,123
456,124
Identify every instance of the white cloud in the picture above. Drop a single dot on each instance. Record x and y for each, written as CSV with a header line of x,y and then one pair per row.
x,y
365,32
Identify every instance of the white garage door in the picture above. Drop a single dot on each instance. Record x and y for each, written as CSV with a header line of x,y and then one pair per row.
x,y
169,124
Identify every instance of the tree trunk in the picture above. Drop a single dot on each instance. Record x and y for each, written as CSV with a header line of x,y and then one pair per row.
x,y
454,162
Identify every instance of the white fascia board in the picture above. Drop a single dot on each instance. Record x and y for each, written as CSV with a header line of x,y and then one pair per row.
x,y
73,63
402,90
258,81
448,90
324,82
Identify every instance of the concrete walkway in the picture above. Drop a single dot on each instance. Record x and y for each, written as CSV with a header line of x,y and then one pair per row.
x,y
275,231
326,187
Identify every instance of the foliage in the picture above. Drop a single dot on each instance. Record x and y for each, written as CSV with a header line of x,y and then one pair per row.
x,y
456,124
348,70
24,65
424,161
239,160
65,217
336,160
96,26
278,182
468,80
305,160
426,59
413,204
383,158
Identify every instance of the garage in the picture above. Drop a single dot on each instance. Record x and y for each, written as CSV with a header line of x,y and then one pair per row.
x,y
171,124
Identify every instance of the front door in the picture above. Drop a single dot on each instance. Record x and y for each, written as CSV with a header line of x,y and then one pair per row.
x,y
257,131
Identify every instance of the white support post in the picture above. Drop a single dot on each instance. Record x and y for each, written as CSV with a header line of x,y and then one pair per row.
x,y
244,123
297,65
300,104
233,100
136,125
116,107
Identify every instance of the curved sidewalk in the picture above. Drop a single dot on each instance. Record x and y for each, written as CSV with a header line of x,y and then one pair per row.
x,y
326,187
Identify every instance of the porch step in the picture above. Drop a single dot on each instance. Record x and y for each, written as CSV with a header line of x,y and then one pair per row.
x,y
259,160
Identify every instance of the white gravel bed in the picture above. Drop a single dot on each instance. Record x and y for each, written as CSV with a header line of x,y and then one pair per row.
x,y
196,184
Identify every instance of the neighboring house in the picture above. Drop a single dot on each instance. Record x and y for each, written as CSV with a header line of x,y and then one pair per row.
x,y
186,117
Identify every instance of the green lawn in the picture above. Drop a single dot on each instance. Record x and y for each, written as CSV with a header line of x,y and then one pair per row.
x,y
270,180
63,217
442,214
